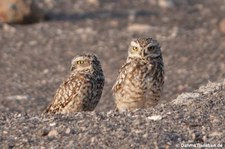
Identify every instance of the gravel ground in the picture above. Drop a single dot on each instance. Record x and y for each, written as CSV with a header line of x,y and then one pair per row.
x,y
184,121
35,59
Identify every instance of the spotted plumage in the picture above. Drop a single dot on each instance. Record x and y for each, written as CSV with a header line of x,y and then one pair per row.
x,y
82,90
141,78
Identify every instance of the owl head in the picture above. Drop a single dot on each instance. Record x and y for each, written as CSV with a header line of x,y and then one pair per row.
x,y
85,62
145,48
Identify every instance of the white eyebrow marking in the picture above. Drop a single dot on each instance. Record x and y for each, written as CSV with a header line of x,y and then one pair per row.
x,y
134,44
149,45
77,59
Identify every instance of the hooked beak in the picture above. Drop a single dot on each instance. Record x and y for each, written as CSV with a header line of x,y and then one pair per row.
x,y
72,68
143,53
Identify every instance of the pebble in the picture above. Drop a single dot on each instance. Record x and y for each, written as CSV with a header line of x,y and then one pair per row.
x,y
52,124
68,130
166,4
155,117
45,71
32,43
53,133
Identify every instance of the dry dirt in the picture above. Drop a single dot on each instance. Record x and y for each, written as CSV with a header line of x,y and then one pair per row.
x,y
35,59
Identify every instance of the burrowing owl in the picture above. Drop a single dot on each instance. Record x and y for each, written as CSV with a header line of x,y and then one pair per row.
x,y
141,78
82,90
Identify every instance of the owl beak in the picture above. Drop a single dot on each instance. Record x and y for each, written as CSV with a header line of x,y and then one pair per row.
x,y
72,68
143,53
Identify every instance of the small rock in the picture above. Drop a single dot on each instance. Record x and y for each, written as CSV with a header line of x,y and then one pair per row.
x,y
25,140
45,71
204,138
68,130
33,43
52,124
155,117
93,140
19,115
166,3
53,133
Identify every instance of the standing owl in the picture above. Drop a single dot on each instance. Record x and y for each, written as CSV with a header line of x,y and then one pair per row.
x,y
141,78
83,88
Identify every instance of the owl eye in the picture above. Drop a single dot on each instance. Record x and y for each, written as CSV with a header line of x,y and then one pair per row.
x,y
135,48
80,62
151,48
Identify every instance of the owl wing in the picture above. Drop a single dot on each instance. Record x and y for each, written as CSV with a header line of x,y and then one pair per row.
x,y
67,91
94,92
120,77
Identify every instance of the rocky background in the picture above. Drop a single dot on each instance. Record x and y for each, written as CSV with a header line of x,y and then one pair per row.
x,y
35,58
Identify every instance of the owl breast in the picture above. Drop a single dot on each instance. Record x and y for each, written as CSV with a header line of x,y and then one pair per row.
x,y
137,86
130,89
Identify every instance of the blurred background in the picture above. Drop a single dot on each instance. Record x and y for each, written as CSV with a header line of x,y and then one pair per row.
x,y
39,39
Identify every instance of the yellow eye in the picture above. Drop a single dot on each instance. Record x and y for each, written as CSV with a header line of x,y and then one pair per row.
x,y
135,48
80,62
